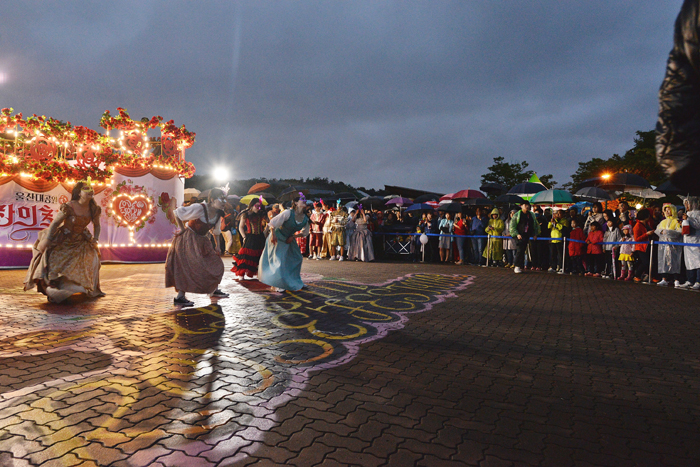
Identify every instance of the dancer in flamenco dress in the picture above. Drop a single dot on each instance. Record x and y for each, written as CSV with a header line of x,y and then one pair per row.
x,y
245,262
65,258
280,263
192,264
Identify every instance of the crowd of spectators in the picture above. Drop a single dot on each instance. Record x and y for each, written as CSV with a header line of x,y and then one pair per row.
x,y
596,243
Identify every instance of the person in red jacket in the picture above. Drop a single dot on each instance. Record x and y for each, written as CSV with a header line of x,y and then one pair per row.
x,y
642,233
576,248
596,260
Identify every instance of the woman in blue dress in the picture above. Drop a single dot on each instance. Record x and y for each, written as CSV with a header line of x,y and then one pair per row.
x,y
280,263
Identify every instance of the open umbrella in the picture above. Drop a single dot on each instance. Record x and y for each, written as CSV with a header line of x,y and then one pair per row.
x,y
352,204
666,187
646,193
258,187
509,199
447,197
248,198
477,202
623,182
450,207
493,188
593,193
427,197
527,188
419,207
467,194
552,197
400,201
373,202
434,204
191,193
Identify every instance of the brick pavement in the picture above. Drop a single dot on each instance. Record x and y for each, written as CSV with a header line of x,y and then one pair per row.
x,y
376,364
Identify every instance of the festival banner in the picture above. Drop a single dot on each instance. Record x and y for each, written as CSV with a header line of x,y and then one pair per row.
x,y
137,223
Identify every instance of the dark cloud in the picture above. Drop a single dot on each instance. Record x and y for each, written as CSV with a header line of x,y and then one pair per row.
x,y
422,94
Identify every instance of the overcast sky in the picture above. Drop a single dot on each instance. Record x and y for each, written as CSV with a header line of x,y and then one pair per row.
x,y
419,94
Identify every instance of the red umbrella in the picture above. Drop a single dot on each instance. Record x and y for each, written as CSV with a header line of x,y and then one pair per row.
x,y
258,187
434,204
468,194
447,197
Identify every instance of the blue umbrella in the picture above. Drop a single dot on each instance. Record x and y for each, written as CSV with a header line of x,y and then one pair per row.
x,y
419,207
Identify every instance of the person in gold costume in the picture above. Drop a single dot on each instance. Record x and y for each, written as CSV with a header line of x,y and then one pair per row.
x,y
66,259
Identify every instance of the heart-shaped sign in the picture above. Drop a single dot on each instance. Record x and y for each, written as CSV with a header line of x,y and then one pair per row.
x,y
131,209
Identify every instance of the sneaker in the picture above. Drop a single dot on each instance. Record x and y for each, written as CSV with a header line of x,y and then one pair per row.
x,y
696,286
182,302
341,259
685,285
663,283
637,279
332,258
517,270
589,274
317,258
219,294
550,270
596,275
311,256
676,284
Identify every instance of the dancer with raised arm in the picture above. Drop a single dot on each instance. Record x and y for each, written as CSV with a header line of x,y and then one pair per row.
x,y
192,264
280,263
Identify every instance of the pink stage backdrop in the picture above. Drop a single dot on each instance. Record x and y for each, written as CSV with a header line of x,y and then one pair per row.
x,y
144,202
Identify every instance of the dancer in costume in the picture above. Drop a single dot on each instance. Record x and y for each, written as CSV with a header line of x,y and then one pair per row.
x,y
326,248
245,262
338,221
317,219
192,264
361,247
280,263
65,258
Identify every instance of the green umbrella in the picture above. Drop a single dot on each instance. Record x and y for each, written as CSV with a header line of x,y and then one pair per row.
x,y
552,197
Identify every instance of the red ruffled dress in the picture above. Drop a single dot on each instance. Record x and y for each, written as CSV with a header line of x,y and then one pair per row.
x,y
245,262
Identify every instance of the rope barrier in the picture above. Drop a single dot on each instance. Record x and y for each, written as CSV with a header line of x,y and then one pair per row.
x,y
557,239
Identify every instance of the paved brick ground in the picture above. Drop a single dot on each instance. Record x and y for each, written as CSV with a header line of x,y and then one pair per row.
x,y
376,364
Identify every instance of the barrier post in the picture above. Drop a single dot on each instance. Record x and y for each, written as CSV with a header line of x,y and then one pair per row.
x,y
563,257
488,249
651,259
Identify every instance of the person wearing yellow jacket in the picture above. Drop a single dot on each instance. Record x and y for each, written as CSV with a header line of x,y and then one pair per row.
x,y
559,228
670,256
494,251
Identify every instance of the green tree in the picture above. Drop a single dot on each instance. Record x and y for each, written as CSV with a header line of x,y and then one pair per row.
x,y
640,160
510,174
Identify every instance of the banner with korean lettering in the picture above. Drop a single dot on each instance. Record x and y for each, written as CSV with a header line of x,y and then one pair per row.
x,y
137,222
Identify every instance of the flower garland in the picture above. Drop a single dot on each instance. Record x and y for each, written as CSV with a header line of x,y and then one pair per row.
x,y
42,147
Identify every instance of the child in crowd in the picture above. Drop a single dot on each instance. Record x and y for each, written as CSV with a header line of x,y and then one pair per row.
x,y
626,251
595,249
576,247
612,234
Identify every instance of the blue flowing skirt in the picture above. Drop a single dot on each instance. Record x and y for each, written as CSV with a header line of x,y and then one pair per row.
x,y
280,265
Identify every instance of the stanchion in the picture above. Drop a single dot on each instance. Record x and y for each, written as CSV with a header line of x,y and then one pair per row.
x,y
488,249
563,257
651,258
